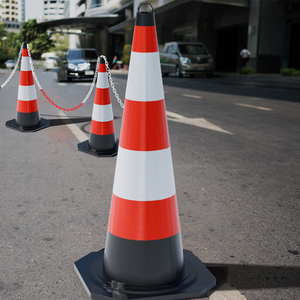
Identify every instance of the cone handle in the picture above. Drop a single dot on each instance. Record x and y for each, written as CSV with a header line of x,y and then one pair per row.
x,y
141,4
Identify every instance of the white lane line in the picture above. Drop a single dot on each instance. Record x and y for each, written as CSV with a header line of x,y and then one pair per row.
x,y
253,106
226,292
80,135
198,122
192,96
62,83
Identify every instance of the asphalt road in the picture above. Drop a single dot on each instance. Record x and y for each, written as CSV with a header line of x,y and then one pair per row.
x,y
235,148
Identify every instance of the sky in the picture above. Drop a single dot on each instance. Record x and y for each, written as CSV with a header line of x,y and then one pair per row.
x,y
33,9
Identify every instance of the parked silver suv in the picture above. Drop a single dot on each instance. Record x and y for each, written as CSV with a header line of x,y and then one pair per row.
x,y
186,58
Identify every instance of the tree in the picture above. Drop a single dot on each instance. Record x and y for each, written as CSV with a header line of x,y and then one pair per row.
x,y
37,38
7,50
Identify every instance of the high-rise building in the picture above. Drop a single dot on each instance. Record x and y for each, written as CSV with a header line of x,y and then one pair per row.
x,y
53,9
9,13
21,10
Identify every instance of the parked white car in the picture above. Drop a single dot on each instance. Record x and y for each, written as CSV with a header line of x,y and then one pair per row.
x,y
50,60
10,64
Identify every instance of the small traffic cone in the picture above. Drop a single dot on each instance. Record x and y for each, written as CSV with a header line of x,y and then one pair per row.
x,y
102,141
27,116
143,256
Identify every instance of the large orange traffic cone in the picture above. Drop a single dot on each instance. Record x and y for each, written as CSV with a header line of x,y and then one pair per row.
x,y
27,116
102,140
143,256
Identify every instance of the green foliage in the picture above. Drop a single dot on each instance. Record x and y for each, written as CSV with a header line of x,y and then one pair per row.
x,y
126,54
7,50
37,38
246,71
290,72
61,43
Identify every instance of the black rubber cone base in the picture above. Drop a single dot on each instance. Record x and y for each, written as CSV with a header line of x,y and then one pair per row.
x,y
194,283
84,147
13,125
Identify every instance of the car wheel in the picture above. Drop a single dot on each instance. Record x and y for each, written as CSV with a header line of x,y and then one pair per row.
x,y
192,75
177,72
166,74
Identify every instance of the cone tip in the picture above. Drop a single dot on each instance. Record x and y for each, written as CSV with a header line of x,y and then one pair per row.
x,y
24,45
102,61
145,18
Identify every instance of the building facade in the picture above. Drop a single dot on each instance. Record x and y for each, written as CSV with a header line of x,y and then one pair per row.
x,y
268,29
53,9
11,13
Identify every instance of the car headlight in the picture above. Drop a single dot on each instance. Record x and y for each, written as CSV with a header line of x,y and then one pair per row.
x,y
72,66
84,66
185,60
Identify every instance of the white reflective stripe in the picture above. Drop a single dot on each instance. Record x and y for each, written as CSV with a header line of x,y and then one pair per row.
x,y
102,113
144,175
144,81
102,80
25,64
27,92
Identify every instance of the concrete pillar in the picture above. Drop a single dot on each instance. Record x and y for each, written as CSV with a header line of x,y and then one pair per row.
x,y
266,35
253,31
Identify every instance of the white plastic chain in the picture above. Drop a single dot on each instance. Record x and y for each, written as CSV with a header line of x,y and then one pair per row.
x,y
40,87
89,92
14,70
111,82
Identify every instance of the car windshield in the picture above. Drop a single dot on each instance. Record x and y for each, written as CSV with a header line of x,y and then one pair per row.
x,y
76,54
192,49
90,54
10,61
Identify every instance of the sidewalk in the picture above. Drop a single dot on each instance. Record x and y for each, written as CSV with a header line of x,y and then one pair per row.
x,y
256,77
261,77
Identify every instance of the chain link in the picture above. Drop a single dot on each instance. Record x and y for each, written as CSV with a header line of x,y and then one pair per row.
x,y
89,92
45,95
111,82
14,70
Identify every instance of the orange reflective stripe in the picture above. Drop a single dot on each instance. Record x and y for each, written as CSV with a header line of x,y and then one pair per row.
x,y
144,39
144,126
26,78
27,106
143,220
102,96
25,52
102,128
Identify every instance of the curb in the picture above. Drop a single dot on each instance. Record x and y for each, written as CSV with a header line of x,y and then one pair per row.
x,y
262,77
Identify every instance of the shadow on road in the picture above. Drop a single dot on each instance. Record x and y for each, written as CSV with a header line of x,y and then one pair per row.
x,y
256,277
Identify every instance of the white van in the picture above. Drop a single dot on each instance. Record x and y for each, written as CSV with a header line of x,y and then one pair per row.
x,y
50,60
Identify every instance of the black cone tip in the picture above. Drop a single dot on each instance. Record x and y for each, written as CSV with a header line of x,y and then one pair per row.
x,y
24,45
102,61
145,18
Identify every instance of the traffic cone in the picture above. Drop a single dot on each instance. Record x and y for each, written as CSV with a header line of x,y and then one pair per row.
x,y
102,140
143,257
27,116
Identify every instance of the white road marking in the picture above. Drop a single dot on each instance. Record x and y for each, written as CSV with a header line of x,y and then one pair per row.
x,y
226,292
192,96
198,122
253,106
80,135
62,83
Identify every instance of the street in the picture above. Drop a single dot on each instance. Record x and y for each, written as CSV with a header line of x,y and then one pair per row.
x,y
235,148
